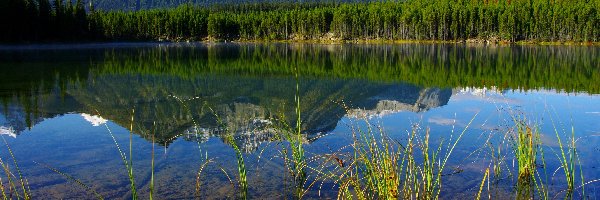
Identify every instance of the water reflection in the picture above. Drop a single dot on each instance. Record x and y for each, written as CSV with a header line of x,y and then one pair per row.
x,y
247,85
180,107
62,100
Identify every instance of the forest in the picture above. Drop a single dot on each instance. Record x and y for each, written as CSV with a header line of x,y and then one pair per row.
x,y
438,20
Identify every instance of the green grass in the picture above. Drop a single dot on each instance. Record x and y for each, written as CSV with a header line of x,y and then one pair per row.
x,y
229,138
568,159
526,143
151,195
383,168
297,165
128,160
379,167
531,178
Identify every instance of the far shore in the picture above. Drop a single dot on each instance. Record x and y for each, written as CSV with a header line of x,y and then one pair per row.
x,y
474,42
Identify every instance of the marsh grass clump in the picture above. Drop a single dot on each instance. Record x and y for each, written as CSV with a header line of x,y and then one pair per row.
x,y
242,179
383,168
526,148
375,170
529,155
296,163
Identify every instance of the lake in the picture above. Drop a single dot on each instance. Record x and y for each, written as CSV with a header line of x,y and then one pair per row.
x,y
186,116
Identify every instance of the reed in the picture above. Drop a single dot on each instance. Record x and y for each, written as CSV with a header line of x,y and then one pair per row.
x,y
13,190
568,159
229,138
485,175
297,165
151,195
376,165
128,160
296,142
72,179
529,154
383,168
525,149
242,180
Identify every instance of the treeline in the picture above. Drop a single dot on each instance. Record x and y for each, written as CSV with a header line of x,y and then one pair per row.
x,y
42,20
411,20
509,20
136,5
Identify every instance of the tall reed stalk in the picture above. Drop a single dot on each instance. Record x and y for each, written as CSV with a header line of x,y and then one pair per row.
x,y
13,191
229,138
297,146
568,158
293,134
127,161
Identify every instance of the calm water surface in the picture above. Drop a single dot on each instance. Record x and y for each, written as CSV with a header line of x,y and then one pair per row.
x,y
61,105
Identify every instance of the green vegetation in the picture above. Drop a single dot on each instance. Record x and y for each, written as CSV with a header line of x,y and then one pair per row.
x,y
569,159
526,147
384,168
229,139
411,20
535,175
446,20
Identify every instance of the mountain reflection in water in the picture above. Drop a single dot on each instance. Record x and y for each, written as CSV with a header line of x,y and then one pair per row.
x,y
175,105
247,85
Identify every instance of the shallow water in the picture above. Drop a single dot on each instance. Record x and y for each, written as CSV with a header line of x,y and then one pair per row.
x,y
62,105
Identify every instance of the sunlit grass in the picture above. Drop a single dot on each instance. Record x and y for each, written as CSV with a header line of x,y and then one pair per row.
x,y
485,175
526,145
383,168
13,192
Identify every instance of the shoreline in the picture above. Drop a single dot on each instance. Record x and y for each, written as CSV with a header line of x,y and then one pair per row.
x,y
386,41
476,42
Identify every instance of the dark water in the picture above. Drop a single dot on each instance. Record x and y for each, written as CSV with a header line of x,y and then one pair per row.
x,y
61,105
